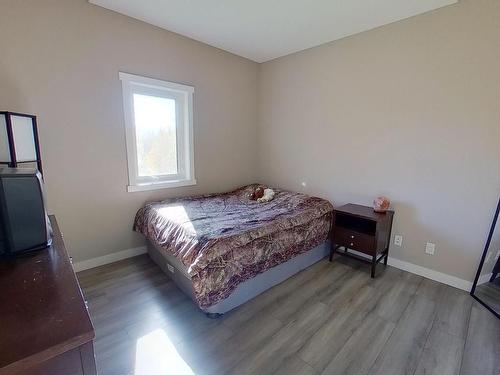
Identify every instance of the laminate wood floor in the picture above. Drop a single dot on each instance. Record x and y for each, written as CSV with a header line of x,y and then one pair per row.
x,y
490,293
329,319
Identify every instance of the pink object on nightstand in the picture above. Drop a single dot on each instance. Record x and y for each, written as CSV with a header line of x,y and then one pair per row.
x,y
381,204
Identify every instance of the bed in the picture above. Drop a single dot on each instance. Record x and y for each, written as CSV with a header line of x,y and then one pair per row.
x,y
224,249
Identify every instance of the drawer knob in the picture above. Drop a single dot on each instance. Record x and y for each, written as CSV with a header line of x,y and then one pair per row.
x,y
352,236
352,244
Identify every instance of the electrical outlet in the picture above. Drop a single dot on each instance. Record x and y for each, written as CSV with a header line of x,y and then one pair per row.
x,y
170,268
398,240
430,248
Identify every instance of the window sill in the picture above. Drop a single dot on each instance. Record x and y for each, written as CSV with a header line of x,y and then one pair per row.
x,y
160,185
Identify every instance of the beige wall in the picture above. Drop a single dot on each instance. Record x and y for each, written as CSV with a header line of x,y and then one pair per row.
x,y
60,60
410,110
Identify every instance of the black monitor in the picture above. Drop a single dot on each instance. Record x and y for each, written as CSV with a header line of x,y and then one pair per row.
x,y
24,224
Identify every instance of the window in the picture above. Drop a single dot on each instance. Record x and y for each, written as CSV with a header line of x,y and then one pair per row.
x,y
159,133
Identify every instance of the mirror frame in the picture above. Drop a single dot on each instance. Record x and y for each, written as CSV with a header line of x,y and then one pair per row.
x,y
481,263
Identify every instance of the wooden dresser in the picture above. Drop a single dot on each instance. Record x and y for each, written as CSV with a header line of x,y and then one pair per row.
x,y
45,328
363,230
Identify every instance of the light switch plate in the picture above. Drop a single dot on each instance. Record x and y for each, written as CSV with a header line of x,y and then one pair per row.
x,y
430,248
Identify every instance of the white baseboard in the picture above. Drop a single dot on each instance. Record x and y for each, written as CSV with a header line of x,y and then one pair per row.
x,y
426,272
484,279
402,265
431,274
110,258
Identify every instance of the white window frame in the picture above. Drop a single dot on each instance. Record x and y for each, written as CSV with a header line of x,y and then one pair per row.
x,y
183,95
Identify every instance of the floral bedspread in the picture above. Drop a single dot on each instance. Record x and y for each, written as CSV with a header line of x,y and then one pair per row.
x,y
225,239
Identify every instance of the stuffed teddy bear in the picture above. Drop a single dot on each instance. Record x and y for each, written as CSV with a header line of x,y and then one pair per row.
x,y
261,194
267,196
256,193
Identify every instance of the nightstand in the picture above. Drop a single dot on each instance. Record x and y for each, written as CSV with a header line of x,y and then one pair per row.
x,y
363,230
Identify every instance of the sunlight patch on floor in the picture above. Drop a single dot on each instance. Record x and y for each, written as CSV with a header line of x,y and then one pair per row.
x,y
156,355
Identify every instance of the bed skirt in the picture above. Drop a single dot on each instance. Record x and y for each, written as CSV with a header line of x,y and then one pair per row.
x,y
248,289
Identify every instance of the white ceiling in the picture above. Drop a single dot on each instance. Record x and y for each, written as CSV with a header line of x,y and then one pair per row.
x,y
262,30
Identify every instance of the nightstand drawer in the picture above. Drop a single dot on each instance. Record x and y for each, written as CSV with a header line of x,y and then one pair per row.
x,y
354,240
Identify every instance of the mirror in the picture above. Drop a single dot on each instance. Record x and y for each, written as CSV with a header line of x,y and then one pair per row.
x,y
486,287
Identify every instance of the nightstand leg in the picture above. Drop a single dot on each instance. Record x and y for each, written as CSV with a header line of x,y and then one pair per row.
x,y
386,256
332,250
332,238
374,264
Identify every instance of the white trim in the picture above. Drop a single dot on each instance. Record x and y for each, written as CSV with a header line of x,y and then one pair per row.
x,y
400,264
484,279
431,274
183,96
110,258
425,272
156,83
160,185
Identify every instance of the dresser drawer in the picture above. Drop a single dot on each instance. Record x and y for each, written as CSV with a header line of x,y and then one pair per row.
x,y
354,240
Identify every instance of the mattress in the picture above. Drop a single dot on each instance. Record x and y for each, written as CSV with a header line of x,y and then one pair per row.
x,y
222,240
246,290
